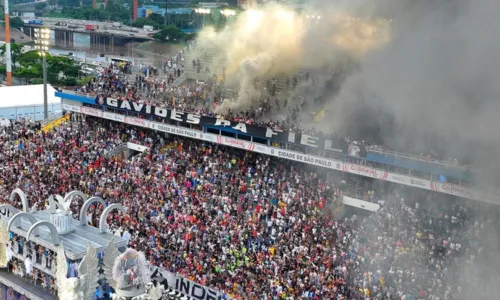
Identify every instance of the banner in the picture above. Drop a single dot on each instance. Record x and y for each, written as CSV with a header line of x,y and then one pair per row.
x,y
187,287
334,164
264,133
136,147
365,205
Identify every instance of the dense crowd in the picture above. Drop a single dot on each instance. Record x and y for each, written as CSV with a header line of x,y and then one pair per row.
x,y
257,227
206,98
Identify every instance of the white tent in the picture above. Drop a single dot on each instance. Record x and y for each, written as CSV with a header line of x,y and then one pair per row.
x,y
26,101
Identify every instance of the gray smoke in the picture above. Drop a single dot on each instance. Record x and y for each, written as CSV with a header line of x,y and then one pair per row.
x,y
433,86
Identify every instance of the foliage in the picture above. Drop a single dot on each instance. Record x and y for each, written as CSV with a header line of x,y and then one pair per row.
x,y
41,5
16,22
29,66
113,12
3,71
154,20
15,52
37,81
27,73
84,80
172,34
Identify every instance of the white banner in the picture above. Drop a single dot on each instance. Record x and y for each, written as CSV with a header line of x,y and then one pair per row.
x,y
365,205
113,117
188,287
445,188
137,147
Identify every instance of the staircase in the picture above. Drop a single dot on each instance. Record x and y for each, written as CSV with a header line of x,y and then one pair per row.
x,y
207,57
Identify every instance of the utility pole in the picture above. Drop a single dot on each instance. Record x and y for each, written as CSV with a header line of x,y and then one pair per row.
x,y
8,55
166,14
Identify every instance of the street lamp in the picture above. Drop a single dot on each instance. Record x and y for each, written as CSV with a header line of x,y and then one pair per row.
x,y
42,37
228,12
202,11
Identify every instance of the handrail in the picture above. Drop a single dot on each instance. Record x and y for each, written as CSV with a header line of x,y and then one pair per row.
x,y
369,148
116,150
179,79
419,158
51,119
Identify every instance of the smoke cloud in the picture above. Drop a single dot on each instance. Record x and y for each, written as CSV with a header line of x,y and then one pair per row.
x,y
433,84
406,74
276,40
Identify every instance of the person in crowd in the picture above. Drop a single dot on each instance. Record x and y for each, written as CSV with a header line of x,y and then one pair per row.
x,y
252,226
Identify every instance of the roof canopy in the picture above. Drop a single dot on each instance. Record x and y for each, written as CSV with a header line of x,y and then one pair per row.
x,y
26,95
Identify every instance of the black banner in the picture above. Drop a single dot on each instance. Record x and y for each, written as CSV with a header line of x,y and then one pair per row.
x,y
330,144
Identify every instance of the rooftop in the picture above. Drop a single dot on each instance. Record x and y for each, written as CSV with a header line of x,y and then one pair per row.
x,y
75,243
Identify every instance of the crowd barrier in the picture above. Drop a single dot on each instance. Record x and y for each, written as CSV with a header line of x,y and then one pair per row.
x,y
333,164
56,121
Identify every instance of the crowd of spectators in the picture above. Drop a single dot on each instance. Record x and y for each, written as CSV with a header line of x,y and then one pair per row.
x,y
253,226
205,98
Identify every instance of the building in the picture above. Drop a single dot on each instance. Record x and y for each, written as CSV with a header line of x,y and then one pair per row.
x,y
26,101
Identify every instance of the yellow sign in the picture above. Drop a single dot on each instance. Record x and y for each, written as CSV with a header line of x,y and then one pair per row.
x,y
54,123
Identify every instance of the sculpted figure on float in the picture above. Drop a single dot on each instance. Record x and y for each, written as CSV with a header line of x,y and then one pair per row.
x,y
5,251
83,287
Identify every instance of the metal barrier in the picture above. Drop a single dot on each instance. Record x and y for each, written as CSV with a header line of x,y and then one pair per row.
x,y
51,119
117,150
419,158
180,79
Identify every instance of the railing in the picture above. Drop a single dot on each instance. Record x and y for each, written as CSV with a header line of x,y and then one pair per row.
x,y
419,158
117,150
51,119
369,149
179,79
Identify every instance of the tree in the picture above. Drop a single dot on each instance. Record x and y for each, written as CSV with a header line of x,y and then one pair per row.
x,y
16,22
41,5
171,33
30,58
31,63
15,51
28,73
151,20
3,70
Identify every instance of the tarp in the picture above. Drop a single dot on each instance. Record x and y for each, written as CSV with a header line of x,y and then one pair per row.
x,y
26,95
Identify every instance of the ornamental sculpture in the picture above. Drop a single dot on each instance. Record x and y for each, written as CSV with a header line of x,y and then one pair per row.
x,y
83,287
127,273
5,251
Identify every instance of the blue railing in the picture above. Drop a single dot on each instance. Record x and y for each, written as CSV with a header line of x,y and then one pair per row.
x,y
387,159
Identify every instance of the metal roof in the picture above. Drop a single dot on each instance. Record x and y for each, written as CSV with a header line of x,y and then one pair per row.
x,y
75,243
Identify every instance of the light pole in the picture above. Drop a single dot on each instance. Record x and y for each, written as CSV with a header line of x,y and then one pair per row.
x,y
42,37
227,13
204,12
8,57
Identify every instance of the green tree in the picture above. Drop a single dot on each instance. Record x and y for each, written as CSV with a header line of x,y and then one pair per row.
x,y
28,73
55,65
113,12
30,58
151,20
171,33
16,22
3,71
41,5
15,52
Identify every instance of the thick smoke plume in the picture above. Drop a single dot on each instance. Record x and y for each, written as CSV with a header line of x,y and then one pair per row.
x,y
276,40
434,84
419,75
